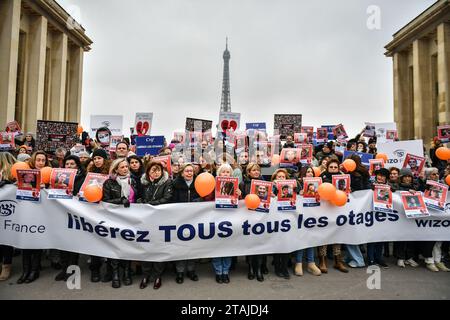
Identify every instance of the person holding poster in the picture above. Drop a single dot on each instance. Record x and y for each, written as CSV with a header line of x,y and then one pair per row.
x,y
327,176
414,163
119,189
136,172
342,182
257,263
61,183
157,190
226,190
375,165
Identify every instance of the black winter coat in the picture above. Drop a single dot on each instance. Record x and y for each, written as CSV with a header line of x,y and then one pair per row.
x,y
157,192
328,177
112,191
246,185
183,193
136,177
79,179
359,181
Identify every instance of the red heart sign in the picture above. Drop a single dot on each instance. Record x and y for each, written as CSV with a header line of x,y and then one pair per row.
x,y
224,125
142,128
227,125
233,125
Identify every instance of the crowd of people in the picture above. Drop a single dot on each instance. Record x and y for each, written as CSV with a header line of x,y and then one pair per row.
x,y
134,179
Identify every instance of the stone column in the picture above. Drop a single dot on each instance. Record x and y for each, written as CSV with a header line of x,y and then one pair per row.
x,y
58,74
9,47
37,45
76,77
443,61
424,128
403,110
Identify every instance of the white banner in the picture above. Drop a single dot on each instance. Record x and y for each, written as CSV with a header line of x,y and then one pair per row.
x,y
113,123
397,151
198,230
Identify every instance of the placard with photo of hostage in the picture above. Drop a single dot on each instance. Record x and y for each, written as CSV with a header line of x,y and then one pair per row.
x,y
287,195
226,193
287,124
52,135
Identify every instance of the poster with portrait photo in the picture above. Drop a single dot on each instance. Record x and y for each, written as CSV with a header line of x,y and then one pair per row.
x,y
382,198
414,205
92,179
287,196
391,135
207,136
61,183
322,135
28,185
52,135
301,138
342,182
306,153
339,132
289,158
369,130
444,133
435,195
287,124
114,141
309,130
166,162
263,190
374,165
7,141
311,197
240,142
226,193
415,163
13,126
195,138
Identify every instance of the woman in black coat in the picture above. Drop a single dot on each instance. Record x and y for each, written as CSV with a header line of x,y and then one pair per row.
x,y
156,189
136,172
184,191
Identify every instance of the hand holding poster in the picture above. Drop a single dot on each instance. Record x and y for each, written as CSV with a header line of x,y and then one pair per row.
x,y
226,192
342,182
382,198
28,185
435,195
311,196
61,183
92,179
143,124
415,163
263,190
287,195
414,205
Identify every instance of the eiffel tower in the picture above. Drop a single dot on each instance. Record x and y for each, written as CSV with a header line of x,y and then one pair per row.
x,y
225,105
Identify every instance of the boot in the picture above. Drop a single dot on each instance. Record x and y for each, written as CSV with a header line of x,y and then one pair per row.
x,y
251,272
312,268
264,268
259,274
339,265
33,275
107,277
298,271
95,275
127,280
26,266
115,273
6,272
323,264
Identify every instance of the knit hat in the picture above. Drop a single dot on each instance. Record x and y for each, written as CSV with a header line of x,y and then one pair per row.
x,y
330,144
74,158
372,140
83,154
382,172
405,172
23,157
100,153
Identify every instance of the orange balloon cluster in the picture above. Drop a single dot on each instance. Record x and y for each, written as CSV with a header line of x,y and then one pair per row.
x,y
19,166
328,192
443,153
46,174
252,201
205,184
349,165
93,193
382,156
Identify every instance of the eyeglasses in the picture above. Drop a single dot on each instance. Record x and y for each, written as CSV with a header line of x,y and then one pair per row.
x,y
333,167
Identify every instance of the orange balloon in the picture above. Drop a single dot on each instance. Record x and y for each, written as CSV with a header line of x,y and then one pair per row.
x,y
349,165
443,153
93,193
19,166
317,172
447,179
46,173
205,184
340,198
252,201
326,191
276,159
382,156
80,130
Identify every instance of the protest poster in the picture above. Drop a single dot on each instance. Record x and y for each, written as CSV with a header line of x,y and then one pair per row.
x,y
414,205
28,185
444,133
382,198
114,124
166,162
397,151
306,153
229,122
92,179
52,135
179,137
322,135
309,130
339,132
61,183
287,124
226,193
287,196
391,135
240,142
369,130
374,165
365,157
435,195
415,163
198,125
258,126
207,136
300,138
195,138
149,145
263,190
114,141
143,123
7,141
381,130
330,133
342,182
289,158
77,149
311,196
103,137
13,126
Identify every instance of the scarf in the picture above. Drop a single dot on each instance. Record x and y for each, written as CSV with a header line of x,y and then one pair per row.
x,y
124,182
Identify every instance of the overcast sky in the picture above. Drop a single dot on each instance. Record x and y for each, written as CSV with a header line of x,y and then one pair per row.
x,y
317,58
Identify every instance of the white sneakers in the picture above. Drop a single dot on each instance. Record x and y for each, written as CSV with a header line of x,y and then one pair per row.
x,y
401,263
411,263
441,266
432,267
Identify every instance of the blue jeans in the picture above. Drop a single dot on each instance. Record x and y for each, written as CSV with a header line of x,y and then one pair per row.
x,y
354,254
222,265
309,255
